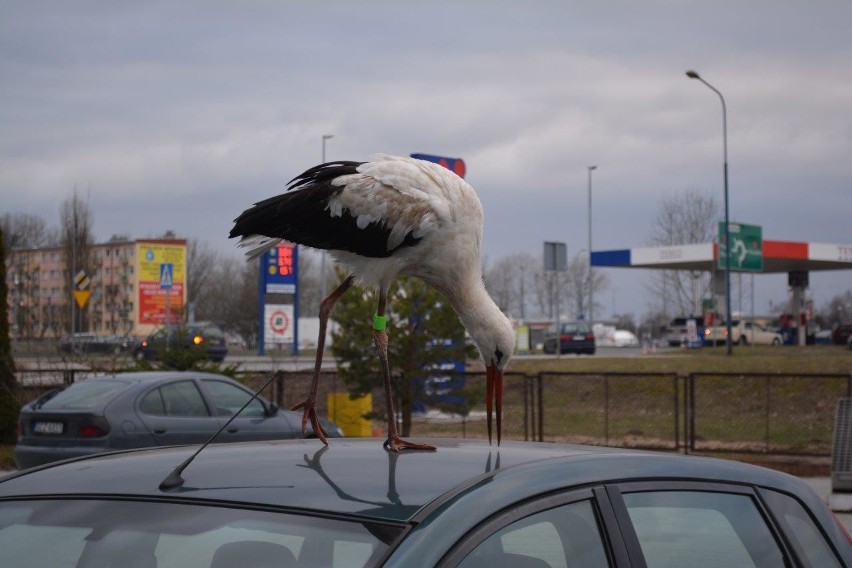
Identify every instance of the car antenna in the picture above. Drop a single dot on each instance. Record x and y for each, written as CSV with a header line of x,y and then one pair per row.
x,y
174,480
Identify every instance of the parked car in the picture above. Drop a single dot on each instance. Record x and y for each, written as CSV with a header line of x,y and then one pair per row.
x,y
185,336
85,343
466,505
742,333
625,338
677,332
137,410
841,334
574,337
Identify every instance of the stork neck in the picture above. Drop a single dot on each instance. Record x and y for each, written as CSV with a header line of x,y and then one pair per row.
x,y
476,309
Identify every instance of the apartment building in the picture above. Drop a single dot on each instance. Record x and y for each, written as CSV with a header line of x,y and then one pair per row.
x,y
126,287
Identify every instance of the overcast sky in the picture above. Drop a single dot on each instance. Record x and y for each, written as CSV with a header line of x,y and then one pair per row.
x,y
179,115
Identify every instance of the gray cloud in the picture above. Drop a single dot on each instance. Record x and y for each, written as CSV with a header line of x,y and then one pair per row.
x,y
179,115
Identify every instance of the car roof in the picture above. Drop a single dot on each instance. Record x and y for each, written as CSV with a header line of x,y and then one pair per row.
x,y
148,376
358,477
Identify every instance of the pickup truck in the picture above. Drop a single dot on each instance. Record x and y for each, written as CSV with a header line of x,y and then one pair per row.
x,y
742,333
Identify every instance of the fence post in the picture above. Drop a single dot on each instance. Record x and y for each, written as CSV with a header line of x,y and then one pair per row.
x,y
527,409
540,405
606,410
768,402
676,413
279,389
689,416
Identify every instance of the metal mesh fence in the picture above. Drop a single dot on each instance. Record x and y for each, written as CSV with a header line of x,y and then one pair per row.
x,y
612,409
777,413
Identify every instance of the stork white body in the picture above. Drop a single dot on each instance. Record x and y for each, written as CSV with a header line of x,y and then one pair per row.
x,y
387,217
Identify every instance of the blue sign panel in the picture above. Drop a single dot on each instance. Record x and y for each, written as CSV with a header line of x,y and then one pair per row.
x,y
453,164
167,271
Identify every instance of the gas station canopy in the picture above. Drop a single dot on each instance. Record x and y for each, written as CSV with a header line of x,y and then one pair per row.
x,y
778,256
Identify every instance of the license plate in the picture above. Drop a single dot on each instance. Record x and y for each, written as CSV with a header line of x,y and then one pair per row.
x,y
579,338
52,428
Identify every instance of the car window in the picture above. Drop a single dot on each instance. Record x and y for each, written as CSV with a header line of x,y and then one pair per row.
x,y
562,537
798,524
228,399
701,530
570,328
85,395
180,398
93,534
211,332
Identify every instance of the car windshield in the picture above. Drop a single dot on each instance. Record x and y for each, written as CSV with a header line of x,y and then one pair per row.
x,y
85,395
95,533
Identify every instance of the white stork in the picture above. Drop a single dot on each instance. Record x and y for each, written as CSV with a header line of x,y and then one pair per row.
x,y
379,219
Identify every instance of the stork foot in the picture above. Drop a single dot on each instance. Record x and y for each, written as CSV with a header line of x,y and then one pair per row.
x,y
395,444
310,415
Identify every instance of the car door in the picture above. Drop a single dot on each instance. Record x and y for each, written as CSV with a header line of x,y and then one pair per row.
x,y
255,422
559,531
665,524
175,412
697,525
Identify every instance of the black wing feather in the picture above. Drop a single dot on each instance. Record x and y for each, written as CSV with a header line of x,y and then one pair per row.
x,y
301,215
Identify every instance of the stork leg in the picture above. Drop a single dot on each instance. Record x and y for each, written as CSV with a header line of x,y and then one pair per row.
x,y
309,404
494,400
394,443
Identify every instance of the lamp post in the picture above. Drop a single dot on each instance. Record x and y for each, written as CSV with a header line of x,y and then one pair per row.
x,y
728,344
591,281
322,256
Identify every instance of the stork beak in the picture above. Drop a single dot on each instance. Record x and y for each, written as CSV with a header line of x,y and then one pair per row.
x,y
494,398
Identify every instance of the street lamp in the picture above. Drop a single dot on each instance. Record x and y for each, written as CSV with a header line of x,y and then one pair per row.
x,y
591,281
322,256
728,344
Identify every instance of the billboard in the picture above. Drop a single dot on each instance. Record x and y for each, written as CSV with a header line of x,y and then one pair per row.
x,y
161,273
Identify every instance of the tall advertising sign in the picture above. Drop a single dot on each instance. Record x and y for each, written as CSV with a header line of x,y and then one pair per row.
x,y
161,270
278,298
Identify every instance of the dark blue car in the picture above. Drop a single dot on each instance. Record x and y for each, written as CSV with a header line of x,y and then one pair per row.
x,y
574,337
208,338
466,505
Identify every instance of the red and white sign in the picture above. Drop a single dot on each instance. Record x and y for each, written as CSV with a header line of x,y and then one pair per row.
x,y
278,323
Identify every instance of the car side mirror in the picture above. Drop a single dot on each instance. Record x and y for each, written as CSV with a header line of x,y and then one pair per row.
x,y
272,409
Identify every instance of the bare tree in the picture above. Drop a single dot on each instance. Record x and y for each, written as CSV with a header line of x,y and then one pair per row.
x,y
575,286
310,291
239,315
25,231
515,282
9,406
685,218
77,239
202,267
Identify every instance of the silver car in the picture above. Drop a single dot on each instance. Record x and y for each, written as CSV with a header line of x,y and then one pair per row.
x,y
138,410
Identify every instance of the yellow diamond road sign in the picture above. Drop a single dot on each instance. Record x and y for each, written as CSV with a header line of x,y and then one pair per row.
x,y
81,280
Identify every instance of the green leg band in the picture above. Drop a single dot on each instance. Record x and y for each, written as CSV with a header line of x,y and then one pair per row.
x,y
380,323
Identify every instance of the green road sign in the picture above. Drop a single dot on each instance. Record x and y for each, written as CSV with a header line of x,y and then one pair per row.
x,y
746,247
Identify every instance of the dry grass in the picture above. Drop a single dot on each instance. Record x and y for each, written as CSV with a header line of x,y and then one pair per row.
x,y
747,359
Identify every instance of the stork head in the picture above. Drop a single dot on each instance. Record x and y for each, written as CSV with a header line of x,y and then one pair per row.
x,y
496,343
